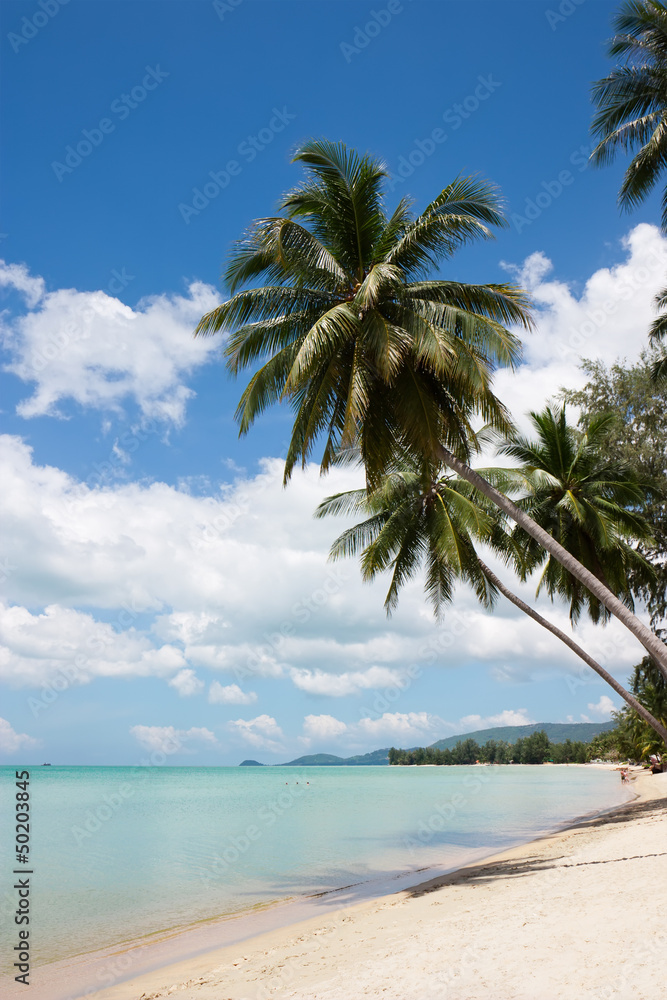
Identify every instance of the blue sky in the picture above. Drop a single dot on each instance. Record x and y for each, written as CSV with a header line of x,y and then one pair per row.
x,y
162,593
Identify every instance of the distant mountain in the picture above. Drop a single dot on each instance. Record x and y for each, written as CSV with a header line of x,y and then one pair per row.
x,y
557,732
324,759
251,763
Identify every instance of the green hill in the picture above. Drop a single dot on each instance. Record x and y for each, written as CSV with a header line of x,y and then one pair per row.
x,y
557,732
251,763
323,759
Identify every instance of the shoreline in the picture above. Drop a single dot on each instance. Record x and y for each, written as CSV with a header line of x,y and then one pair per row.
x,y
266,926
563,915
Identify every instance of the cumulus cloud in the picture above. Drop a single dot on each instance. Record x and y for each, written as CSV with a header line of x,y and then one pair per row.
x,y
90,348
18,278
405,727
608,319
230,695
262,732
73,647
508,717
603,708
322,727
169,740
11,741
186,683
339,685
202,565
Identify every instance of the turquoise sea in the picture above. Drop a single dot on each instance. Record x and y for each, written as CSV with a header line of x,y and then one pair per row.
x,y
121,852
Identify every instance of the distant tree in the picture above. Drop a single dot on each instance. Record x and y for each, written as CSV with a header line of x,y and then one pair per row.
x,y
535,749
637,436
650,688
605,746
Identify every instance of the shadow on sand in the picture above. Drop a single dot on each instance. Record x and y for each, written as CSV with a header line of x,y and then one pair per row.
x,y
531,865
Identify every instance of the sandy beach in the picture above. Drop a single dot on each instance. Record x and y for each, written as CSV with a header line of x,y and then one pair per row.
x,y
576,914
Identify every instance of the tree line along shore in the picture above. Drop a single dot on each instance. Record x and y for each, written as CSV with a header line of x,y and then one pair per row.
x,y
533,749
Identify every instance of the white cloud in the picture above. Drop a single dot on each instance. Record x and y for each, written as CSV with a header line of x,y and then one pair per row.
x,y
339,685
18,277
402,726
90,348
322,727
203,565
262,732
11,741
603,708
74,648
509,717
230,695
186,683
608,320
169,740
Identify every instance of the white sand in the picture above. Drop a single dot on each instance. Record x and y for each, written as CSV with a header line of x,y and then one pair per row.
x,y
577,915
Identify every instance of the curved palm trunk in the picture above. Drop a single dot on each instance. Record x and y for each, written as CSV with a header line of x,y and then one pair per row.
x,y
604,674
650,641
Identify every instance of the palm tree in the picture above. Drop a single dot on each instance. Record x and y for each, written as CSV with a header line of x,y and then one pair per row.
x,y
588,502
417,517
648,684
632,115
366,350
632,101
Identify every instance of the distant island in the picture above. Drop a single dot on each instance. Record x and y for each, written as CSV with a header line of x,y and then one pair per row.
x,y
557,732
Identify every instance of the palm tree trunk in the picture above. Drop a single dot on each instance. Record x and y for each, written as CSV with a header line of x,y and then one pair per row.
x,y
604,674
648,639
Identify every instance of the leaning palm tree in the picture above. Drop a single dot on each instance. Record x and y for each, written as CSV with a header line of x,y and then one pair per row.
x,y
589,502
420,518
365,349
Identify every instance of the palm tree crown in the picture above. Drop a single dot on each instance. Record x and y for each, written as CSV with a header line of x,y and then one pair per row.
x,y
632,101
417,515
367,350
586,501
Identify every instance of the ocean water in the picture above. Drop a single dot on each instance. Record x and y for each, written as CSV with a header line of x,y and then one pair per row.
x,y
118,853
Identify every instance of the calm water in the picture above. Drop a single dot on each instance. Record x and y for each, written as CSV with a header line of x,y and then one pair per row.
x,y
120,852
